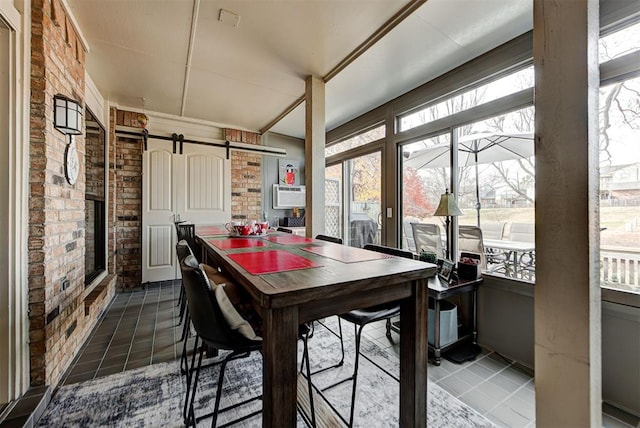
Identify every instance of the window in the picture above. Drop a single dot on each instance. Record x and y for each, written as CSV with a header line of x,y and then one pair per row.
x,y
95,218
425,176
491,91
620,185
361,139
620,43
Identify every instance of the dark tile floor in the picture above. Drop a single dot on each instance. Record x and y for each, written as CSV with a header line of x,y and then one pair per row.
x,y
141,328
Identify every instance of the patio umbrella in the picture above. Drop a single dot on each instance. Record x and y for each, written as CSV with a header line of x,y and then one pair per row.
x,y
474,149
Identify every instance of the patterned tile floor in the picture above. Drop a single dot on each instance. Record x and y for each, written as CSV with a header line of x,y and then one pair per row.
x,y
141,328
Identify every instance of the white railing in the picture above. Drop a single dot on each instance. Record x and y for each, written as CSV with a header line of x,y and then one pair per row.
x,y
620,267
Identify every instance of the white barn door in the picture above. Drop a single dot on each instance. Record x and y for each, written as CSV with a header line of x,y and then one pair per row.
x,y
195,185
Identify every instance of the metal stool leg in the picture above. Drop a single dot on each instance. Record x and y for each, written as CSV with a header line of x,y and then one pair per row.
x,y
355,373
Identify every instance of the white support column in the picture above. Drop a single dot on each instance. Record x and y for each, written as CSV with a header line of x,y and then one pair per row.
x,y
567,289
15,56
314,155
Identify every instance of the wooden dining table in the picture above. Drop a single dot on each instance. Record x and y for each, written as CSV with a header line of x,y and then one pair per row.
x,y
293,280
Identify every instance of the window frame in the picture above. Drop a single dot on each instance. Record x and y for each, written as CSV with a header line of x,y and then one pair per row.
x,y
100,227
510,57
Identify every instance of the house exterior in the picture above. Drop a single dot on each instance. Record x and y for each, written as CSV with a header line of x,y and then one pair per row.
x,y
620,183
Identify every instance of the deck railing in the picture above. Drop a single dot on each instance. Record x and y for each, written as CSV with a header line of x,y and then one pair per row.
x,y
620,267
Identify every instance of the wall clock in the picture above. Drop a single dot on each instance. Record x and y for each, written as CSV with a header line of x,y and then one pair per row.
x,y
71,163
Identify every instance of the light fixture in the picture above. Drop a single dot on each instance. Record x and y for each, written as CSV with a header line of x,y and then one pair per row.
x,y
67,115
67,118
447,208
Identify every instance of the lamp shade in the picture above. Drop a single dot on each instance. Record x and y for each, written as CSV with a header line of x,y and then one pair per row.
x,y
447,206
67,115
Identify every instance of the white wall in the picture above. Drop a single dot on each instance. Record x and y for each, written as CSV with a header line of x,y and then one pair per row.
x,y
14,154
5,334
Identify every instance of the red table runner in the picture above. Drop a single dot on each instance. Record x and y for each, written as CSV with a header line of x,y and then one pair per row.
x,y
289,239
231,243
346,254
271,261
211,230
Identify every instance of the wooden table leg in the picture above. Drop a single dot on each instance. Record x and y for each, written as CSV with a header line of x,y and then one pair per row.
x,y
413,357
279,381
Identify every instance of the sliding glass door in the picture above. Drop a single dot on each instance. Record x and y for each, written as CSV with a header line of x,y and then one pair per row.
x,y
353,199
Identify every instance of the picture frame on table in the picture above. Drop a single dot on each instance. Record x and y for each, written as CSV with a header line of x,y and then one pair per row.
x,y
445,269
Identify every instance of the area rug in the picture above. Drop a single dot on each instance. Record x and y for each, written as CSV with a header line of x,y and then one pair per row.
x,y
152,396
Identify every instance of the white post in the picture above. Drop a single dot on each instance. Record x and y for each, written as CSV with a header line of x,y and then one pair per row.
x,y
567,290
314,155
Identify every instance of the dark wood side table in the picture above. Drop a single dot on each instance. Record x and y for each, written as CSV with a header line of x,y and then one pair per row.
x,y
439,290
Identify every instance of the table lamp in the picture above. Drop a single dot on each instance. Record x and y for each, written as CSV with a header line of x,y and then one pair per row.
x,y
447,208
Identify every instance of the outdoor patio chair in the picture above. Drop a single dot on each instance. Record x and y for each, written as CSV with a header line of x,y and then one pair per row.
x,y
523,232
470,240
407,232
493,229
428,237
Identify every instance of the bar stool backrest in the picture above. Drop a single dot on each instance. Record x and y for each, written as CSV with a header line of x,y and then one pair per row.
x,y
389,250
330,239
206,314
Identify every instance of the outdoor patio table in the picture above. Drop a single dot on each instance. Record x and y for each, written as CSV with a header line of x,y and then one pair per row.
x,y
514,250
327,286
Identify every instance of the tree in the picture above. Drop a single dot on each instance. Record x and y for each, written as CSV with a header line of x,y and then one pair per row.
x,y
414,201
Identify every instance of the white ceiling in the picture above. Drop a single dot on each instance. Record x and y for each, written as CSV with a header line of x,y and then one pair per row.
x,y
246,76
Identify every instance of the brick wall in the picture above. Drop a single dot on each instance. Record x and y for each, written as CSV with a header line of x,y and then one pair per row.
x,y
57,322
60,319
246,177
128,204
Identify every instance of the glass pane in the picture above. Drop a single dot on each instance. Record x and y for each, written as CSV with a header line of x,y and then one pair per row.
x,y
497,190
363,195
359,140
333,201
620,185
510,84
620,43
95,216
425,176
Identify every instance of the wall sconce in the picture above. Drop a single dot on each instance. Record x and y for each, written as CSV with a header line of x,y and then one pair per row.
x,y
447,208
67,115
67,118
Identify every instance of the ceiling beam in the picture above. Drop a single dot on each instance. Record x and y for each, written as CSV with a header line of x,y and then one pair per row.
x,y
281,116
187,66
383,30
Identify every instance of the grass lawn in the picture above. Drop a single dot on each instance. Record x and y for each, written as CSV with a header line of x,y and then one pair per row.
x,y
622,223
